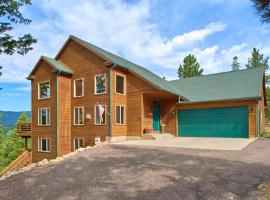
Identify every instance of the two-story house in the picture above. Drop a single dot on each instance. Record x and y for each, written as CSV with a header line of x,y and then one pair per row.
x,y
69,90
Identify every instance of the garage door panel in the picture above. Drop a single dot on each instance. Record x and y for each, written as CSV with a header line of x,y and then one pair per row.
x,y
214,122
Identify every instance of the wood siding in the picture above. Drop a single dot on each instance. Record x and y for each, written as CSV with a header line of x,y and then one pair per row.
x,y
86,65
44,73
64,115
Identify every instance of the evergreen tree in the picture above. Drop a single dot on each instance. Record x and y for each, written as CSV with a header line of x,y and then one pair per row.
x,y
263,9
190,67
12,144
257,60
235,64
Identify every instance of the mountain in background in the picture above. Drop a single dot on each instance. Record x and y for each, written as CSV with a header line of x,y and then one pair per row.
x,y
9,119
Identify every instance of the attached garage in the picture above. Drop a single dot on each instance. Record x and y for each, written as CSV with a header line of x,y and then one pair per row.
x,y
227,122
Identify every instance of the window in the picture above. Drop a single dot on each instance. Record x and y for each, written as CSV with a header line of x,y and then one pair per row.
x,y
44,144
78,88
100,84
100,117
78,143
120,84
120,115
78,115
44,116
44,90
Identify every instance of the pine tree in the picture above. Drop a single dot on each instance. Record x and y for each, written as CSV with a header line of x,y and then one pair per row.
x,y
235,64
257,60
190,67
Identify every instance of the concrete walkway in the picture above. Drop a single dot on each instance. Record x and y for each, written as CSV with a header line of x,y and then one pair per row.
x,y
193,143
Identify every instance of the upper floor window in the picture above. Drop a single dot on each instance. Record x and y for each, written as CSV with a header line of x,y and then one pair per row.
x,y
100,84
78,87
120,115
120,84
44,90
44,116
100,114
44,144
78,115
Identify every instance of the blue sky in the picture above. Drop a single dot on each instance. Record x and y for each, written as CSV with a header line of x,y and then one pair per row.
x,y
156,34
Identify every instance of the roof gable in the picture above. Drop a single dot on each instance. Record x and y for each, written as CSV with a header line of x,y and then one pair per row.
x,y
58,67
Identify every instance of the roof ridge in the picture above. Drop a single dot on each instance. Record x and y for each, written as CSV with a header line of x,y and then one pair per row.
x,y
117,56
218,73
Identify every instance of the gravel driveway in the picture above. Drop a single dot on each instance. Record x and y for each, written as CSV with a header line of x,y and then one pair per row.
x,y
129,172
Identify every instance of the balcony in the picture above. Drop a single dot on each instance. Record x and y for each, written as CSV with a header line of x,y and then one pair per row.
x,y
24,130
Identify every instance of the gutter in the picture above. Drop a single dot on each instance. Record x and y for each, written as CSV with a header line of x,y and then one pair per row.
x,y
111,93
236,99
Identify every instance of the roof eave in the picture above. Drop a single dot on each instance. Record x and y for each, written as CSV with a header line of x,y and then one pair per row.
x,y
218,100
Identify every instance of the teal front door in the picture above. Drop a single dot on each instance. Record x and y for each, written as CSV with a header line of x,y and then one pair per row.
x,y
156,115
227,122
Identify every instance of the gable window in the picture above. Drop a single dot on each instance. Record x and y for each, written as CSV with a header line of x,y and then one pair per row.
x,y
120,115
44,144
44,116
100,84
78,115
78,143
78,88
44,91
120,84
100,114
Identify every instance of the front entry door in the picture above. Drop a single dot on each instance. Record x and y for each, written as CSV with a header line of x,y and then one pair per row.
x,y
156,115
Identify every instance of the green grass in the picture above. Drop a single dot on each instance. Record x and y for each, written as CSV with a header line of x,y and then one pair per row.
x,y
265,189
266,134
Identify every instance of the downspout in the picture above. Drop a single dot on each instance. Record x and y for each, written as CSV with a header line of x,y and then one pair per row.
x,y
57,121
257,114
111,94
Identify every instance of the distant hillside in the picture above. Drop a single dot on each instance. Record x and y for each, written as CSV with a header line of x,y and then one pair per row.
x,y
9,119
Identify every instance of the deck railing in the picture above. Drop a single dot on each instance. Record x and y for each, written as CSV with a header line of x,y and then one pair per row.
x,y
21,161
24,129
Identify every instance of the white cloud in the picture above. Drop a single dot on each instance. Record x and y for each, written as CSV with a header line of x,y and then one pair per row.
x,y
120,27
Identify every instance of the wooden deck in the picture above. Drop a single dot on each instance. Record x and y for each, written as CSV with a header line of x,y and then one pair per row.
x,y
24,130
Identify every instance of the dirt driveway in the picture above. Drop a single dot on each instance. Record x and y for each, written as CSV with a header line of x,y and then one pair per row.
x,y
129,172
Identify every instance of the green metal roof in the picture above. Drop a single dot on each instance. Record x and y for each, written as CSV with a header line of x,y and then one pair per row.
x,y
234,85
242,84
57,65
134,68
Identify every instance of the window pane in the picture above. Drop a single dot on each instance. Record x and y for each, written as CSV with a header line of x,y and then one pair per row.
x,y
78,88
48,144
80,116
120,84
97,115
44,116
122,115
81,143
118,115
48,116
44,145
44,90
100,84
76,144
76,116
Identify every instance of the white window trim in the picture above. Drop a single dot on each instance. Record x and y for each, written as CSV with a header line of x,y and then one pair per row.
x,y
95,108
79,138
49,110
39,98
74,87
74,116
125,84
119,124
49,146
96,84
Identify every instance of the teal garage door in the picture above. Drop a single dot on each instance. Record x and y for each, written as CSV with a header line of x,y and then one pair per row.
x,y
229,122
